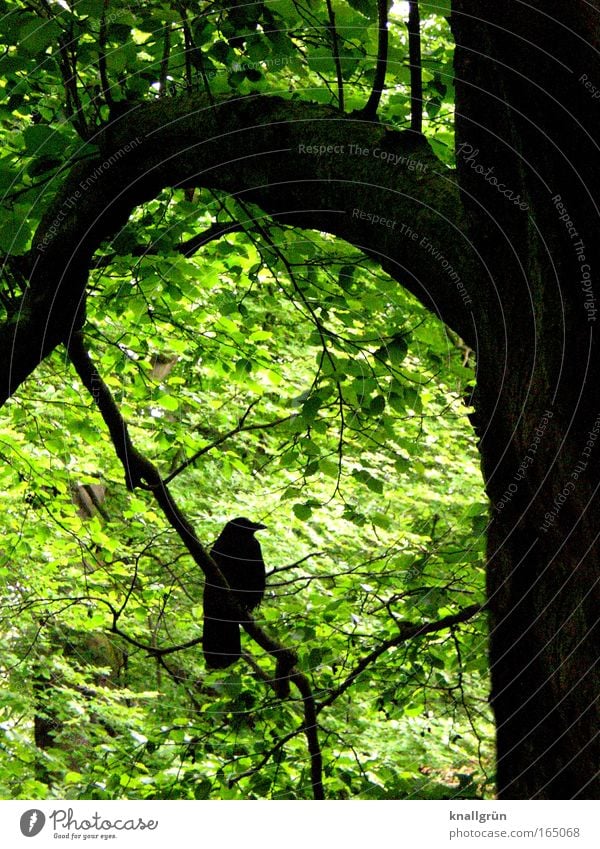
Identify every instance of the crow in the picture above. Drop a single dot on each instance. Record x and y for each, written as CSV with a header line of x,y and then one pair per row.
x,y
237,554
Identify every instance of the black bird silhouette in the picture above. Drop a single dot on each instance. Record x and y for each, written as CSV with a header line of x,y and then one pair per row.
x,y
237,554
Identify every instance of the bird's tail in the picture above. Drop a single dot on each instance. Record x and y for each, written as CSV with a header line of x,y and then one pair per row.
x,y
221,643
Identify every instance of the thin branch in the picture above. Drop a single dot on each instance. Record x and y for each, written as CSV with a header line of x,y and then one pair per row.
x,y
336,56
102,56
153,651
130,589
278,569
414,58
372,104
164,62
68,69
180,678
187,248
187,37
266,757
408,631
73,106
241,427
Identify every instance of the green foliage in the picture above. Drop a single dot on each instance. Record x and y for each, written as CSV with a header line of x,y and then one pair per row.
x,y
277,374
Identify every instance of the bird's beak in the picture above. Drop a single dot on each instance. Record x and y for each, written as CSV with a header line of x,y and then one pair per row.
x,y
259,527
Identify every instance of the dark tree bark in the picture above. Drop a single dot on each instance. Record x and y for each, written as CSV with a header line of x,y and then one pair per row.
x,y
525,251
523,106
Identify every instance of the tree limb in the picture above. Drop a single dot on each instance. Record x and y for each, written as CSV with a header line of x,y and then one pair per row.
x,y
336,55
164,62
416,75
408,631
102,37
139,471
241,427
311,731
296,563
259,148
372,105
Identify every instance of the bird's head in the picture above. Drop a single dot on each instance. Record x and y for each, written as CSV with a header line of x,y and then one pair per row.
x,y
243,524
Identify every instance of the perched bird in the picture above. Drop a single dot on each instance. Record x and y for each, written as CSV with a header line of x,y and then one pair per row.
x,y
237,554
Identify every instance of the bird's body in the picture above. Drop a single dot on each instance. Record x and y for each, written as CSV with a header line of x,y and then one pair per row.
x,y
238,555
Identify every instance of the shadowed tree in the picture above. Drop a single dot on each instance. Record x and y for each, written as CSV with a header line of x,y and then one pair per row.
x,y
516,224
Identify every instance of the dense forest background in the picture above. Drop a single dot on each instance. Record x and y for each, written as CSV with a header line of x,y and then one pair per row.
x,y
265,371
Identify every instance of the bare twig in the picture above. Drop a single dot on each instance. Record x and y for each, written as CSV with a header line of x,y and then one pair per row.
x,y
414,58
164,62
372,104
408,631
278,569
241,427
187,248
336,55
102,56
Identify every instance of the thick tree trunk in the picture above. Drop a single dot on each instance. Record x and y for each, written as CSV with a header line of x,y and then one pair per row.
x,y
525,112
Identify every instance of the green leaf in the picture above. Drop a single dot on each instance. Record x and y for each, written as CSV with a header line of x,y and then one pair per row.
x,y
36,36
168,402
302,511
320,60
397,350
402,464
15,231
436,7
44,139
368,8
369,480
311,407
377,405
93,8
329,468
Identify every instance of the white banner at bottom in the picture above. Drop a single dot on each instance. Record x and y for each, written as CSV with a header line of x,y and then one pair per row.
x,y
300,825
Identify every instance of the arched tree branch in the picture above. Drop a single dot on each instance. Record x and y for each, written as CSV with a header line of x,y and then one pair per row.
x,y
263,150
